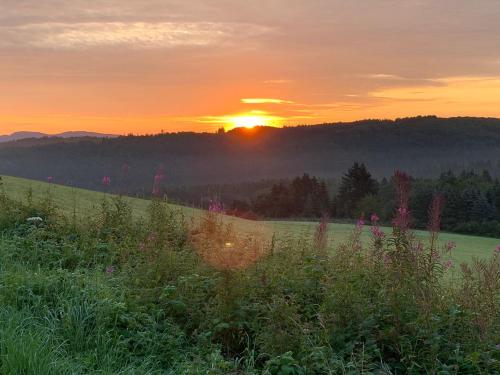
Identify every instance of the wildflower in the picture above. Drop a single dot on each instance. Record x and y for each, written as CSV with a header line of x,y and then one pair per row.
x,y
375,229
435,211
35,219
321,236
497,346
216,207
377,233
402,182
448,265
106,180
386,258
49,179
450,245
361,222
110,269
497,249
157,183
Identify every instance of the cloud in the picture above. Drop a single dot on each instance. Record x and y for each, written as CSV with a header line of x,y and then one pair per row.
x,y
53,35
384,76
265,101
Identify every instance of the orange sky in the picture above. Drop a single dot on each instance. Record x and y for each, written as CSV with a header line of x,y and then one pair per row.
x,y
142,66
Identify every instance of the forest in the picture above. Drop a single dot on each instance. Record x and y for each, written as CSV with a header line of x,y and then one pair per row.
x,y
421,146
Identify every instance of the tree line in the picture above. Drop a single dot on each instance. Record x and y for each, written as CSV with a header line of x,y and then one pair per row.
x,y
471,199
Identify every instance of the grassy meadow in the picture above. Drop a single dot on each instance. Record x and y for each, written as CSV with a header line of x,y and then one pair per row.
x,y
85,202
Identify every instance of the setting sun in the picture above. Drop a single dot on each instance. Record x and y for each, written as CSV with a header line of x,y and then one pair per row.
x,y
248,121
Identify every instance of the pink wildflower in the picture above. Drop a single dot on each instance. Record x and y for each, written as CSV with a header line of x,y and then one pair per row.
x,y
321,236
435,211
50,179
497,250
157,183
450,245
361,222
375,229
110,269
216,207
448,265
106,180
402,182
377,233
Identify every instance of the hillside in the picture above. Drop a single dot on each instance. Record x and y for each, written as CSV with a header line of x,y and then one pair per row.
x,y
421,146
21,135
86,202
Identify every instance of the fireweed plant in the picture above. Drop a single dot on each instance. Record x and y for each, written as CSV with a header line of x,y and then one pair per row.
x,y
111,294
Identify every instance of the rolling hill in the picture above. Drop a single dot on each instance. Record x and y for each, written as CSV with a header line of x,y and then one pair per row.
x,y
17,136
421,146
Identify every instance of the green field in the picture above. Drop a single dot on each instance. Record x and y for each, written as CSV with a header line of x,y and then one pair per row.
x,y
84,202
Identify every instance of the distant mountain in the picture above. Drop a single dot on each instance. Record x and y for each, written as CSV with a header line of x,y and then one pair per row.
x,y
421,146
71,134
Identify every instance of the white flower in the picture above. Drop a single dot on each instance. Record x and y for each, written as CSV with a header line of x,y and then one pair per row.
x,y
35,219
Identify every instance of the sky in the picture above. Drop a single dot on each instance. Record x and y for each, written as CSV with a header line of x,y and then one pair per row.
x,y
145,66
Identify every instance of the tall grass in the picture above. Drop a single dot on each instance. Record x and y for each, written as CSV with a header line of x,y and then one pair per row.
x,y
115,295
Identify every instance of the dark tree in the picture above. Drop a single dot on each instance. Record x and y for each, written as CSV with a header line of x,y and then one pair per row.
x,y
356,184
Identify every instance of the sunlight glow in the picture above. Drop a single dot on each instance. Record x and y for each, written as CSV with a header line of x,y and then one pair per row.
x,y
248,121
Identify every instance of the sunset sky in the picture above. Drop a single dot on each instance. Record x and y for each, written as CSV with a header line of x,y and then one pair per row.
x,y
142,66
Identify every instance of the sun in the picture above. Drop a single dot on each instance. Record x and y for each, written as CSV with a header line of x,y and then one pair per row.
x,y
248,121
251,119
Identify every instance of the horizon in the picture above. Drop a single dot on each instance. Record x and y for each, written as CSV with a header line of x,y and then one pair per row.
x,y
247,128
144,67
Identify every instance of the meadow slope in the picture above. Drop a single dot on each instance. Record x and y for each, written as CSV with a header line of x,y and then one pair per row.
x,y
85,202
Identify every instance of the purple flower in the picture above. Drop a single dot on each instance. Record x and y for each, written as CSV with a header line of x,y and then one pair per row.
x,y
374,218
50,179
361,222
450,245
497,346
106,180
403,186
377,232
216,207
435,211
157,183
110,269
448,265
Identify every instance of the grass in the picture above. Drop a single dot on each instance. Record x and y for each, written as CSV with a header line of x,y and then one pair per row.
x,y
85,202
159,294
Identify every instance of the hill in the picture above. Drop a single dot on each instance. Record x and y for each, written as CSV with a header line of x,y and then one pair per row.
x,y
36,135
422,146
86,202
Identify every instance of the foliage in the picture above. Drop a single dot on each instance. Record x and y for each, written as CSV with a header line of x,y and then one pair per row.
x,y
115,295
